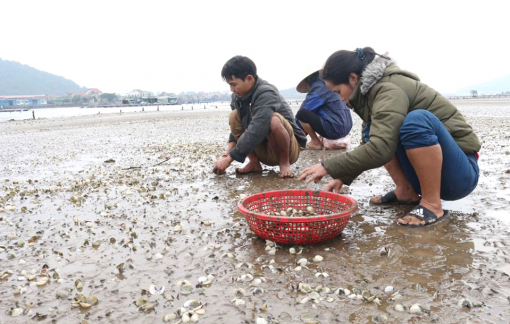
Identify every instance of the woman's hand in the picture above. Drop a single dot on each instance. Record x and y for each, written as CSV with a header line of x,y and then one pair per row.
x,y
315,171
334,185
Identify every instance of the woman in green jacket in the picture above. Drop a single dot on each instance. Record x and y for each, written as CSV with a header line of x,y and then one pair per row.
x,y
421,139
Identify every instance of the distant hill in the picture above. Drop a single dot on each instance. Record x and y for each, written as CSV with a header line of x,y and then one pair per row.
x,y
20,79
492,87
292,93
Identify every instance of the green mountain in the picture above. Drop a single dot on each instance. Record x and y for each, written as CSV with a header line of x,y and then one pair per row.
x,y
20,79
495,86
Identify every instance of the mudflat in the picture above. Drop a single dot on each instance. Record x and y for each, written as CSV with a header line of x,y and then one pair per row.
x,y
93,214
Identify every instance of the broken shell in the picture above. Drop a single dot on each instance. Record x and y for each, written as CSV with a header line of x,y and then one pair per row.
x,y
185,318
186,289
192,304
302,262
142,301
306,288
238,302
15,312
169,317
257,290
309,318
239,292
78,284
465,303
147,307
80,298
261,320
400,308
62,294
194,318
305,300
10,208
29,303
92,300
155,291
183,282
380,318
42,281
384,251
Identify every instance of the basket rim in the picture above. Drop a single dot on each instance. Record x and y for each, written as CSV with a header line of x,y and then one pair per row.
x,y
301,219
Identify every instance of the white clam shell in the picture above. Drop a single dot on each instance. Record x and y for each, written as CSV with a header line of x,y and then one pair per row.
x,y
415,309
261,320
318,258
389,289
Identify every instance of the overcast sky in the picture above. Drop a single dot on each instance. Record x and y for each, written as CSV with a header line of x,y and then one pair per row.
x,y
176,46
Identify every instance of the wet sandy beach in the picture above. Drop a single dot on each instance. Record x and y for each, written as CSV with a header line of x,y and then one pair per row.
x,y
74,226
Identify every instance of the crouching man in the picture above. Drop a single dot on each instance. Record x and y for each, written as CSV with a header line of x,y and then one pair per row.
x,y
262,125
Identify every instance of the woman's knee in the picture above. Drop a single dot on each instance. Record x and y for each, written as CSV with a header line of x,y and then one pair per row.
x,y
419,129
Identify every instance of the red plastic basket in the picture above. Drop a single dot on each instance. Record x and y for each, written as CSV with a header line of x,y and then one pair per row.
x,y
332,210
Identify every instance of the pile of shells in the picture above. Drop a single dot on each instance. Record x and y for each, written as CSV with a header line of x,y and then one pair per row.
x,y
81,300
292,212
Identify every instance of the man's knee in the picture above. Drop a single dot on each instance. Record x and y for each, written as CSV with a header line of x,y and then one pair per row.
x,y
276,123
233,118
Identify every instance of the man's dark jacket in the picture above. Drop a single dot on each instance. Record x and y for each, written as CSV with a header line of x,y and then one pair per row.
x,y
256,109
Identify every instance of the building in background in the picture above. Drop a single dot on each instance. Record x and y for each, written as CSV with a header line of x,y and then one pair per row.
x,y
94,92
22,101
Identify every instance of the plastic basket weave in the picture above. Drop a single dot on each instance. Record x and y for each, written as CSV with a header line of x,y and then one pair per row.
x,y
332,210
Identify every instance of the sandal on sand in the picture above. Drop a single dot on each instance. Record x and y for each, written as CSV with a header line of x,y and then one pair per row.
x,y
425,214
391,199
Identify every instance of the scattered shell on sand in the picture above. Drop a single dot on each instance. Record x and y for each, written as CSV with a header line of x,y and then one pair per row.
x,y
317,258
415,309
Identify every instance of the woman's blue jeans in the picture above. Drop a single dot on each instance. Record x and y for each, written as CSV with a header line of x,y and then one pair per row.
x,y
459,173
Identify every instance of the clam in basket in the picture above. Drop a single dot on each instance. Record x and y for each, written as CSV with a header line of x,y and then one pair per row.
x,y
267,215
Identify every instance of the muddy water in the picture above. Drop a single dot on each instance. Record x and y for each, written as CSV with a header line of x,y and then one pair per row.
x,y
65,207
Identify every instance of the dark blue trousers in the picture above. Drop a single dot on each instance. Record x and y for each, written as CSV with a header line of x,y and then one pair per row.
x,y
459,173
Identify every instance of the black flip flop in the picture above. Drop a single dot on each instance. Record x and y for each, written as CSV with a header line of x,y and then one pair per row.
x,y
391,199
425,214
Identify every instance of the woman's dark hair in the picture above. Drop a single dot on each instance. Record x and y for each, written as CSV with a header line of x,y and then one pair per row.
x,y
341,64
239,67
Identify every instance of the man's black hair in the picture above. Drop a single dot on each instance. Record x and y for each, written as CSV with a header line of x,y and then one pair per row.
x,y
239,67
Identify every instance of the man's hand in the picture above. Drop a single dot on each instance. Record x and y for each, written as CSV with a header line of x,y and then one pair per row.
x,y
334,185
315,171
222,164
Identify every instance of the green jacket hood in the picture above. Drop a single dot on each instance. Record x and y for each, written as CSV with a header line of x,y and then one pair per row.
x,y
379,68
